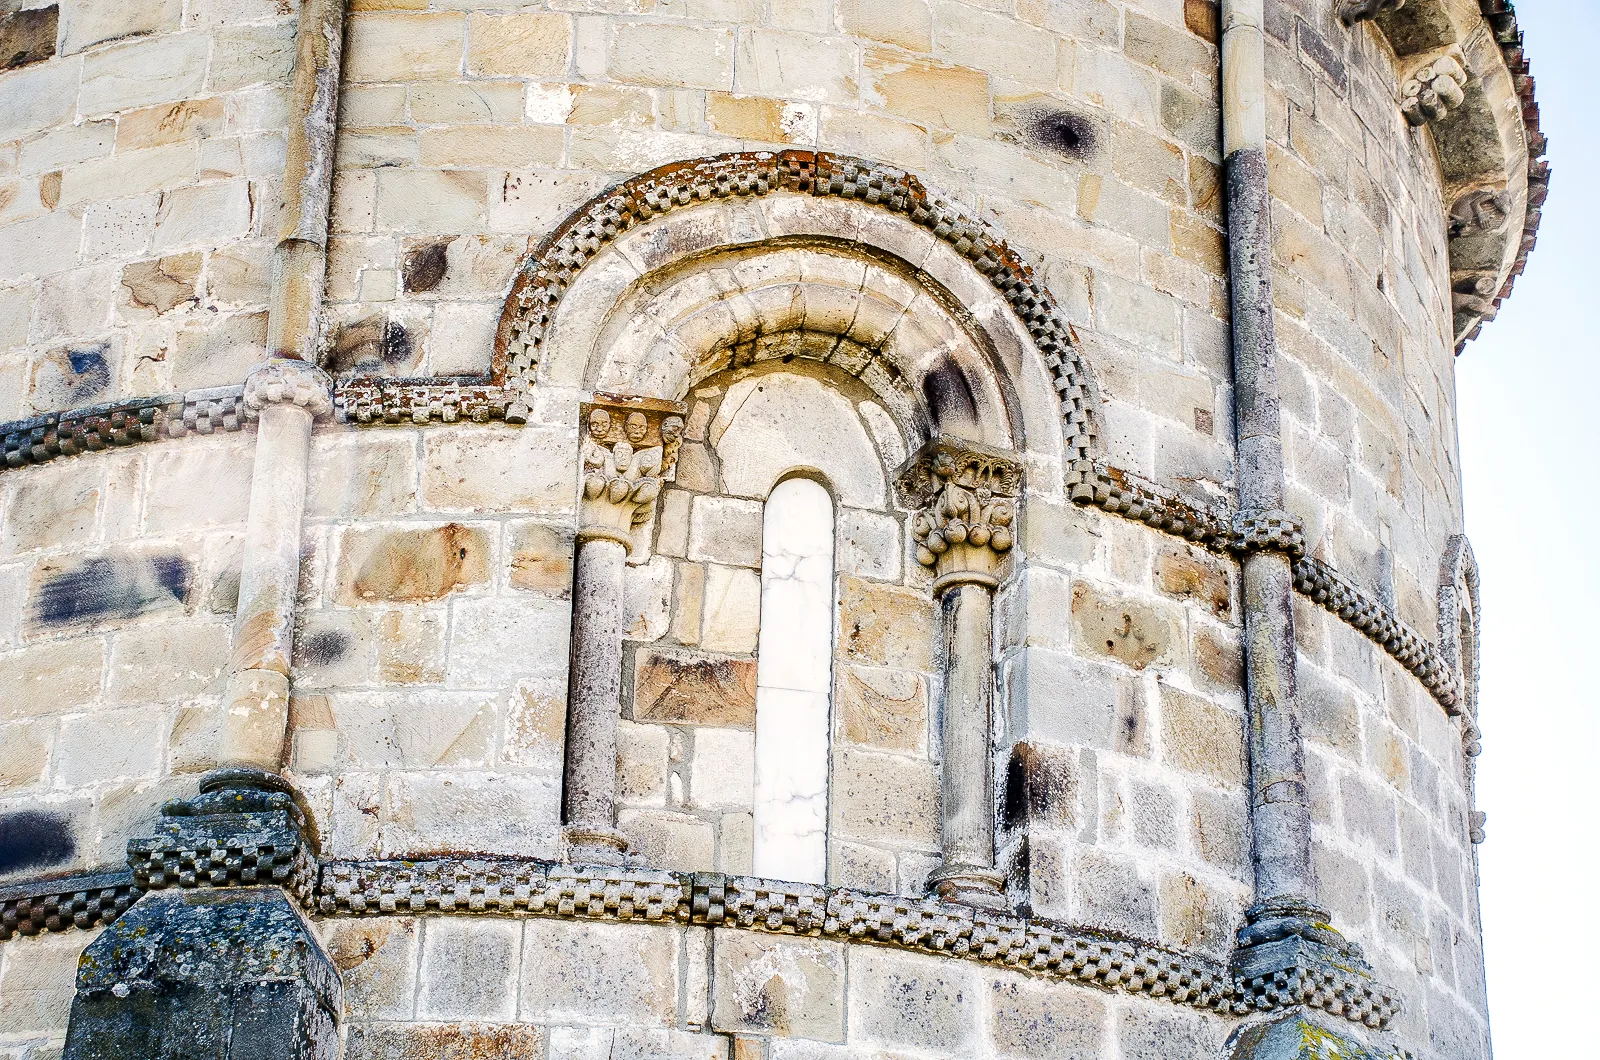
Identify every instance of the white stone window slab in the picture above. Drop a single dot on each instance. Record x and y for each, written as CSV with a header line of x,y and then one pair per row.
x,y
794,683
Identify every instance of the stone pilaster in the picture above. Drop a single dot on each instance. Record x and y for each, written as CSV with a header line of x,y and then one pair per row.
x,y
965,496
216,961
628,452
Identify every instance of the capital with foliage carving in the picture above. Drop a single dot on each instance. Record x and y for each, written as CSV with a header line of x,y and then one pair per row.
x,y
965,496
628,452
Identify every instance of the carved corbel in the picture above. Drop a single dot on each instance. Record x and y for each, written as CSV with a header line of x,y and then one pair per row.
x,y
1433,88
1353,11
1480,211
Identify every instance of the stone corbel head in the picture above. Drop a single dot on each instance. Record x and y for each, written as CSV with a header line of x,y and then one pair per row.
x,y
627,451
1353,11
1434,87
966,499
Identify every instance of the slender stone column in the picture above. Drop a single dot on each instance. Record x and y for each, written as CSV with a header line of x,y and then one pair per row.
x,y
965,496
629,449
1286,934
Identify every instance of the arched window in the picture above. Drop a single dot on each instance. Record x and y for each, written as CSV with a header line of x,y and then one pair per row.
x,y
794,683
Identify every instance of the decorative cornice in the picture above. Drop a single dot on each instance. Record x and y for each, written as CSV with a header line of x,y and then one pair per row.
x,y
118,424
62,903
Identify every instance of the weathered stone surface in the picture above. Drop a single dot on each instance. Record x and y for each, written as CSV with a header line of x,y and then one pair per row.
x,y
606,974
886,709
781,987
377,961
444,1041
469,969
1032,1019
1134,633
885,797
885,626
731,620
694,688
1188,574
1200,737
900,1001
411,566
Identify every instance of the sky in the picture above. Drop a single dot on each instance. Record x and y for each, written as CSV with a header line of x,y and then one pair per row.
x,y
1529,397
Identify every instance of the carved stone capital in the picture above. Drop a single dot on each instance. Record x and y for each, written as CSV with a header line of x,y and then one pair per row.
x,y
287,381
1433,88
966,497
628,451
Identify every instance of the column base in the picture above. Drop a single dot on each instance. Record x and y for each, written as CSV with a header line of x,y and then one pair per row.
x,y
596,846
970,885
1298,1036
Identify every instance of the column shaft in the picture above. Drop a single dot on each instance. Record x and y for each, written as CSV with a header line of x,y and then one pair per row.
x,y
594,702
968,788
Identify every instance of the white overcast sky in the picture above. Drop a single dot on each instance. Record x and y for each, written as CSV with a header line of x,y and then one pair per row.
x,y
1529,392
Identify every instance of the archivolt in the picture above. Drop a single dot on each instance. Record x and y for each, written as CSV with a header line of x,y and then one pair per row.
x,y
552,268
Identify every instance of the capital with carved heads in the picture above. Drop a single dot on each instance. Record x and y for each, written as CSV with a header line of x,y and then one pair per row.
x,y
629,450
965,496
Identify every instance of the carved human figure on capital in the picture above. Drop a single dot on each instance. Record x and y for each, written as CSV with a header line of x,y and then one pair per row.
x,y
622,470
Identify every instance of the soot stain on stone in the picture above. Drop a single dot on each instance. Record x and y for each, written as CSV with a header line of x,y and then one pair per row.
x,y
112,587
425,266
949,394
326,647
370,343
33,839
1040,785
1062,131
28,36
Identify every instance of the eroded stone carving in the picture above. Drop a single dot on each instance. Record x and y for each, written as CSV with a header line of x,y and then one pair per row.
x,y
629,449
966,500
1478,211
1433,89
1353,11
286,381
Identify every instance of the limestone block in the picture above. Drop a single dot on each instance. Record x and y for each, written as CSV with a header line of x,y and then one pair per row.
x,y
335,648
452,103
391,731
38,96
28,36
168,663
379,564
1133,632
885,797
661,54
24,747
634,1043
1152,812
642,764
50,506
1111,894
404,46
870,545
360,474
672,522
779,986
426,200
906,23
606,974
665,840
1043,786
107,745
85,23
647,599
152,288
51,677
36,986
722,771
1108,79
430,1041
219,355
1150,1030
204,215
885,625
1186,573
732,610
795,66
1200,737
725,530
489,469
469,969
540,558
536,725
1219,832
1066,700
909,1001
882,709
481,653
196,735
158,70
1029,1018
491,146
761,119
692,688
39,246
511,814
523,44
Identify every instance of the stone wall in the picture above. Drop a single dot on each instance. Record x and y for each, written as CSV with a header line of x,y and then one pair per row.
x,y
138,162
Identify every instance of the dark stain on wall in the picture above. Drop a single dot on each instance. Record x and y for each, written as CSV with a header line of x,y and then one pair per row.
x,y
425,266
324,648
111,587
34,839
69,376
949,395
1062,131
370,344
